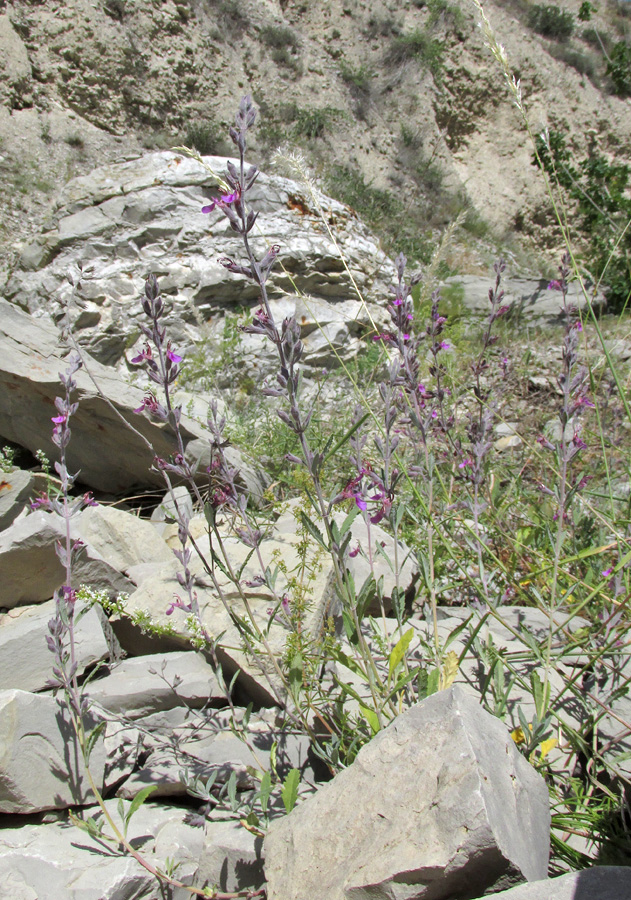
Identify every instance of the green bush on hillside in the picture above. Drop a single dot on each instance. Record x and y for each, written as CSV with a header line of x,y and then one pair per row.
x,y
599,188
551,22
619,68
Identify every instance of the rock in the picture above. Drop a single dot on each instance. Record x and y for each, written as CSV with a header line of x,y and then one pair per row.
x,y
439,804
258,678
599,883
147,212
180,500
222,754
31,570
144,685
122,539
510,442
16,488
25,660
30,363
30,781
231,859
57,860
527,298
202,742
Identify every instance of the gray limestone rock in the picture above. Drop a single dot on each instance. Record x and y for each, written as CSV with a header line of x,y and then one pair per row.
x,y
30,570
529,298
41,766
231,859
57,861
599,883
258,678
439,804
128,218
25,660
122,539
16,488
110,455
147,684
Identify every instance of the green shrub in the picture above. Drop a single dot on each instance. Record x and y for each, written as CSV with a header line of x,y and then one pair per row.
x,y
205,137
312,123
418,45
359,79
280,37
584,63
619,68
551,22
600,189
402,229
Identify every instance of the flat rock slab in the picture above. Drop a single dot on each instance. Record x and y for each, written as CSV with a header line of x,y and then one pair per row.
x,y
257,676
599,883
25,660
527,297
147,684
231,859
30,570
110,456
438,805
41,766
121,538
15,490
57,861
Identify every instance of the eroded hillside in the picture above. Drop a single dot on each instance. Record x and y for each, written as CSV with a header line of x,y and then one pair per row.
x,y
398,106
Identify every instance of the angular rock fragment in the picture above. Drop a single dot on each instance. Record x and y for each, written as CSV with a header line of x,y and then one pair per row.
x,y
57,861
30,568
599,883
147,684
231,859
41,765
121,538
15,490
438,805
25,660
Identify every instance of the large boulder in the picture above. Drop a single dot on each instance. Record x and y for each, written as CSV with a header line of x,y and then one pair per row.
x,y
438,805
111,446
127,219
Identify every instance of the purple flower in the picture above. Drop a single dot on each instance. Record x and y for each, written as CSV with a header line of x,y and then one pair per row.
x,y
172,355
144,355
555,286
178,603
221,202
151,405
41,502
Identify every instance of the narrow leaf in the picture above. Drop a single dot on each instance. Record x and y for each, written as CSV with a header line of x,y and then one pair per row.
x,y
399,650
289,792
